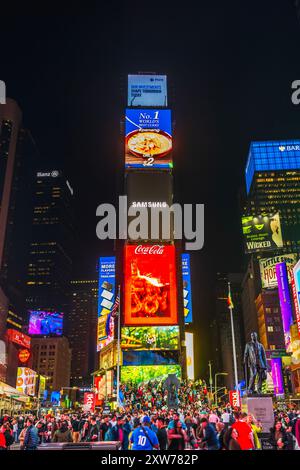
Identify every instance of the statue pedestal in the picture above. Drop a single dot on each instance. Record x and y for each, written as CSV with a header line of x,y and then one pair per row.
x,y
261,407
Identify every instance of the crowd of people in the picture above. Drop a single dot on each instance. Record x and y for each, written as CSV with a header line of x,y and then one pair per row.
x,y
146,422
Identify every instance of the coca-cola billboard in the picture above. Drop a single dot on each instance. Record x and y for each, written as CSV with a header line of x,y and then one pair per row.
x,y
149,250
150,285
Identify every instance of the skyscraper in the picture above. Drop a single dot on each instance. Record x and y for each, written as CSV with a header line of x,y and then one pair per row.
x,y
82,329
18,158
273,184
50,254
272,187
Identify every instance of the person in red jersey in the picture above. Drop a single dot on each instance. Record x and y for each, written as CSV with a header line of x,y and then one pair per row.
x,y
245,435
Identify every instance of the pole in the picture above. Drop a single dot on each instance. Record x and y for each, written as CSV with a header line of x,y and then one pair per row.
x,y
118,352
210,380
233,342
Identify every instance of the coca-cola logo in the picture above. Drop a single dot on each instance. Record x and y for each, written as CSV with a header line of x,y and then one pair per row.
x,y
149,250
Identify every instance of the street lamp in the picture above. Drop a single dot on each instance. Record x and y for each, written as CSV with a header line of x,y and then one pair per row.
x,y
216,392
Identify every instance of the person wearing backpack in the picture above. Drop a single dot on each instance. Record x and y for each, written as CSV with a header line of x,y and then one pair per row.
x,y
143,438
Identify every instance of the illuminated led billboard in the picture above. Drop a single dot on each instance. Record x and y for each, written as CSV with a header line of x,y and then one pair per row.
x,y
106,298
262,233
151,358
189,343
187,288
267,268
150,285
45,323
26,381
139,374
150,337
148,138
147,90
272,155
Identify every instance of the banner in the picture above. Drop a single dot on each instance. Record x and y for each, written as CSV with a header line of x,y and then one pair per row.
x,y
235,398
150,285
276,364
296,293
285,303
187,288
262,233
89,402
148,138
267,268
106,299
147,90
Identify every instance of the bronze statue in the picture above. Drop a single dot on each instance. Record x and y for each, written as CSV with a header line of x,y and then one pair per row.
x,y
255,358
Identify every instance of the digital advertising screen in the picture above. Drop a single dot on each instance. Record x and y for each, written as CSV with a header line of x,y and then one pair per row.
x,y
147,90
145,358
296,293
262,233
150,337
189,343
285,303
148,138
45,323
139,374
26,381
267,268
187,288
150,293
106,298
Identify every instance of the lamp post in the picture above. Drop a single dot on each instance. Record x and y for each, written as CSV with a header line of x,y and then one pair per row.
x,y
216,391
210,381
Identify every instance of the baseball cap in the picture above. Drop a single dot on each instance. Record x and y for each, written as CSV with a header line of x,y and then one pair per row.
x,y
146,419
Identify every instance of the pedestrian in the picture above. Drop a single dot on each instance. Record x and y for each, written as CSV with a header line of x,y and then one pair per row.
x,y
2,438
75,428
245,434
230,439
143,438
278,437
63,433
210,438
31,436
162,434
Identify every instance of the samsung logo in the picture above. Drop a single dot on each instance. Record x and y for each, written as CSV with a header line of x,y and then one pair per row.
x,y
149,204
289,148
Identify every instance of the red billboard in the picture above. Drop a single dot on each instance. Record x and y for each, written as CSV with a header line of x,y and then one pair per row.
x,y
89,401
19,338
235,398
150,285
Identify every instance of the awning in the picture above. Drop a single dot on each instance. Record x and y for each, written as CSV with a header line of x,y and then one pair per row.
x,y
12,392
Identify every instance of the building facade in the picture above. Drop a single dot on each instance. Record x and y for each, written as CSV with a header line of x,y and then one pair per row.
x,y
82,330
52,359
50,254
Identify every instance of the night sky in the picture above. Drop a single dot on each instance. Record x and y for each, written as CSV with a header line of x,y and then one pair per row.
x,y
231,65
